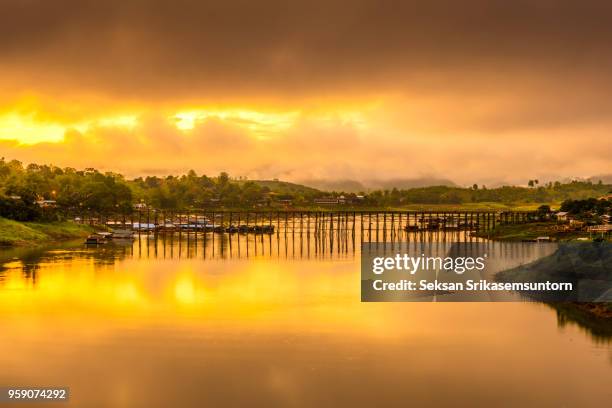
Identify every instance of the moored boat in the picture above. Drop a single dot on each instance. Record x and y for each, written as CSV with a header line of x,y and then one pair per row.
x,y
122,234
95,239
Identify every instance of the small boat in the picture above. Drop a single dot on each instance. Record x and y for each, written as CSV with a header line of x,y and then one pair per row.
x,y
122,234
232,229
143,226
261,229
468,225
95,239
432,225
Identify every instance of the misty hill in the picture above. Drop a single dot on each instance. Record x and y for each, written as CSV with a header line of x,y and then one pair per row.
x,y
354,186
286,188
605,178
404,184
351,186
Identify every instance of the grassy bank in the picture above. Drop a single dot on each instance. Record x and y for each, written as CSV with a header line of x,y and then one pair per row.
x,y
603,310
481,206
14,233
530,231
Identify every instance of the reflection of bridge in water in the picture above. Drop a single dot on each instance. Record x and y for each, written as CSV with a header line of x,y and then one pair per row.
x,y
291,234
341,243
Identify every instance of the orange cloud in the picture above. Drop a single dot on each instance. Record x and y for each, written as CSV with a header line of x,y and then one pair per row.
x,y
474,91
314,146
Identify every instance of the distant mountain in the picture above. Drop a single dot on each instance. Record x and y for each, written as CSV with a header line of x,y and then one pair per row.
x,y
353,186
605,178
409,183
285,187
349,186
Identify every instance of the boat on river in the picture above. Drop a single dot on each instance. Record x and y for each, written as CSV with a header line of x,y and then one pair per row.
x,y
95,239
122,234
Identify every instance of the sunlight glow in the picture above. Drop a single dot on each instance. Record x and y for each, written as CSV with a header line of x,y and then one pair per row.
x,y
26,130
259,123
125,121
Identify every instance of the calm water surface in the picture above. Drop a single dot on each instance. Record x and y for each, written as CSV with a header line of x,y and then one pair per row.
x,y
274,321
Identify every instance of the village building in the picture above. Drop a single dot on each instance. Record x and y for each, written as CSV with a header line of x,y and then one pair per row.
x,y
47,203
576,223
602,229
326,201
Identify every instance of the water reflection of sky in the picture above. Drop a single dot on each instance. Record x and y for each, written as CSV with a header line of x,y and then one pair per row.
x,y
271,329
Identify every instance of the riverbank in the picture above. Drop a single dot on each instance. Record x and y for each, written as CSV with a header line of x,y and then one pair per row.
x,y
446,207
15,233
530,232
583,264
583,316
480,206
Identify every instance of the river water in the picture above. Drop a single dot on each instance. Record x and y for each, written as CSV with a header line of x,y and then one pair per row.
x,y
275,320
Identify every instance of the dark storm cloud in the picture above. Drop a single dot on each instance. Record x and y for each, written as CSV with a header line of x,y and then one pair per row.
x,y
200,49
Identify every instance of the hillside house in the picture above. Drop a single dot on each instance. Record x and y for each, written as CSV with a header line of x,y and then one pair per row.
x,y
47,203
326,201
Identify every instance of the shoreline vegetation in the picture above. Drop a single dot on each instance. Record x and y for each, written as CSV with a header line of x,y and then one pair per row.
x,y
595,318
531,232
72,190
575,262
16,233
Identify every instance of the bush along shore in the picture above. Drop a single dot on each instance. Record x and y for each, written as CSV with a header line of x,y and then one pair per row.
x,y
531,232
15,233
588,264
578,220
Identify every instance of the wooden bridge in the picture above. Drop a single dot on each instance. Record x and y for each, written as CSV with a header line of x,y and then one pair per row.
x,y
305,222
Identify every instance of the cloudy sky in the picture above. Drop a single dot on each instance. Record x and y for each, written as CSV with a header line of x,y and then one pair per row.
x,y
473,91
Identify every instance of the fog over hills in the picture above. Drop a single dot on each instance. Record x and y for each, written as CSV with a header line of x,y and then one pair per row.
x,y
354,186
605,178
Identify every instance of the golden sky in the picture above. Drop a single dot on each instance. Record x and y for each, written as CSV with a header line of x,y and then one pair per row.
x,y
471,91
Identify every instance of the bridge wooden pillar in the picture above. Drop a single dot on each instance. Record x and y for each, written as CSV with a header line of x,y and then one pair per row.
x,y
384,224
361,215
286,222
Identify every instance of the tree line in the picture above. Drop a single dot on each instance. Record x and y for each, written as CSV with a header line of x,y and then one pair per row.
x,y
587,208
25,192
